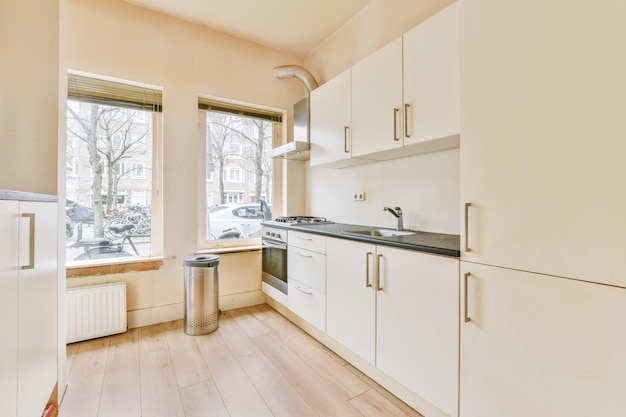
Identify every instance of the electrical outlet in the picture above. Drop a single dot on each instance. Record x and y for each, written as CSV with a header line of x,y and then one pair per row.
x,y
359,196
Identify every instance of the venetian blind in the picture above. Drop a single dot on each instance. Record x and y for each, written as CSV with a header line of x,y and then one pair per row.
x,y
217,106
95,90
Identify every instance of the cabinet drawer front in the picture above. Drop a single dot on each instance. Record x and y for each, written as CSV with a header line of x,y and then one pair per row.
x,y
307,267
308,241
308,303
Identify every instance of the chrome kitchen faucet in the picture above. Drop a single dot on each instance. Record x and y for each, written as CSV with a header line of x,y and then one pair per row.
x,y
397,212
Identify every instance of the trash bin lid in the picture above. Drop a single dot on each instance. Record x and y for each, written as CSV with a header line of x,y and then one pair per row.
x,y
201,261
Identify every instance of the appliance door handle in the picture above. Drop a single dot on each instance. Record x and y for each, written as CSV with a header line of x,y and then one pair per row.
x,y
268,244
345,139
395,123
27,241
406,120
466,316
303,291
467,248
367,269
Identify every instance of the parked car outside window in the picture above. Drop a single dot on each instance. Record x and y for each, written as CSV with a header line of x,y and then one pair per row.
x,y
237,221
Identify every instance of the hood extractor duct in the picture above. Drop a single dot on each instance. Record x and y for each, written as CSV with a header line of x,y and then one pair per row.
x,y
299,146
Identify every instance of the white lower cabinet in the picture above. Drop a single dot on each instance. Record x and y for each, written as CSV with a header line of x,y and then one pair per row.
x,y
398,309
306,271
350,296
536,345
28,306
417,338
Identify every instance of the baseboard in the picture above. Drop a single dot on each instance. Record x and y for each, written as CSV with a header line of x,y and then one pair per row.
x,y
171,312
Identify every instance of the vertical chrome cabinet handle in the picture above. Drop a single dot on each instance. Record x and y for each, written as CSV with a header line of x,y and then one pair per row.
x,y
30,217
467,206
466,317
378,286
345,139
406,120
367,269
395,123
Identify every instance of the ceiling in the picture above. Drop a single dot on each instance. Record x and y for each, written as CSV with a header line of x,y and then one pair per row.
x,y
296,26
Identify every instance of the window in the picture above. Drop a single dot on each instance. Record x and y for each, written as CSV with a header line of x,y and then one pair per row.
x,y
110,194
239,180
137,170
233,174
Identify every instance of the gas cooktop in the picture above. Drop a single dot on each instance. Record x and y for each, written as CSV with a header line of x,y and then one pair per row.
x,y
292,220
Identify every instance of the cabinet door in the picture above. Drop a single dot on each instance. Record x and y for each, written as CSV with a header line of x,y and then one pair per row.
x,y
541,346
37,307
431,78
377,101
542,161
418,324
8,306
331,121
350,296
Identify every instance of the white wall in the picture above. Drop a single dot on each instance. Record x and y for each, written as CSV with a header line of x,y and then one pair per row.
x,y
186,60
426,187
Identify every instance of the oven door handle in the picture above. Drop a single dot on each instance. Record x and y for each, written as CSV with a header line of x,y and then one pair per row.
x,y
268,244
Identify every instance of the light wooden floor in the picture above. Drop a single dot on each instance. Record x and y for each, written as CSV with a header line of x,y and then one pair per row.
x,y
256,364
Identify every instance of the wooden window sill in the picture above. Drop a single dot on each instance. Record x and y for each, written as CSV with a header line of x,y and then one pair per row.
x,y
113,268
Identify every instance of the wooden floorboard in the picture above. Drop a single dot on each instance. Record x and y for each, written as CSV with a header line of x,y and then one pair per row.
x,y
257,364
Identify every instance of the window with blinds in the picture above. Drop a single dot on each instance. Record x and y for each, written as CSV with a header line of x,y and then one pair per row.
x,y
112,132
238,178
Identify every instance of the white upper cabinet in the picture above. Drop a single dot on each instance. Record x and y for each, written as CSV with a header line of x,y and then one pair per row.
x,y
377,101
431,78
543,122
331,123
402,100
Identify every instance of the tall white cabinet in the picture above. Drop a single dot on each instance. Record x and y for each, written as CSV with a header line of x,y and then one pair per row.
x,y
542,179
29,296
542,155
540,346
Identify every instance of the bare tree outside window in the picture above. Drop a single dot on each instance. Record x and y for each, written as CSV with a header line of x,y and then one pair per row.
x,y
109,162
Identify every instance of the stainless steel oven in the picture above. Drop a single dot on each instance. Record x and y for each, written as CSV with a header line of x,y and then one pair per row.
x,y
274,260
274,257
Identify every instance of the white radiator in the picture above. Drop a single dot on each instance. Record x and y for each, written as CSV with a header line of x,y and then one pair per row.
x,y
95,311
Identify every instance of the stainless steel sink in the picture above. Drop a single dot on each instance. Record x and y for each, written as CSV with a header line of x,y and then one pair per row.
x,y
380,232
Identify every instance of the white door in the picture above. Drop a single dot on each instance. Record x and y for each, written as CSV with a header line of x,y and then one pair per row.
x,y
542,116
331,124
37,307
351,296
418,324
377,101
540,346
431,78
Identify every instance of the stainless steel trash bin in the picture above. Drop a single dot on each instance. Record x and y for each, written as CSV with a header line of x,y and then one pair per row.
x,y
201,294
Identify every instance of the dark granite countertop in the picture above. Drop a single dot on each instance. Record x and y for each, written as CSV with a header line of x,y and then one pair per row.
x,y
26,196
437,243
